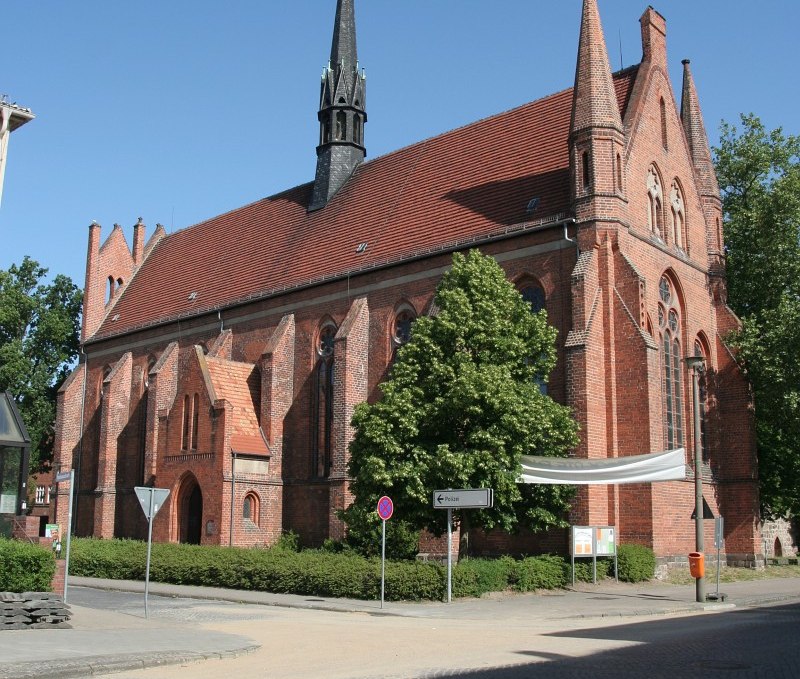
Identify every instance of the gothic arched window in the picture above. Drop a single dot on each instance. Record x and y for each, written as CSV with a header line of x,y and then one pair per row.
x,y
341,125
533,295
699,350
322,403
403,321
401,329
250,508
357,129
187,414
195,419
678,213
669,322
655,198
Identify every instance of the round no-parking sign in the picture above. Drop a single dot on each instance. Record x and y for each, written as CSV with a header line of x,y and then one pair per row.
x,y
385,508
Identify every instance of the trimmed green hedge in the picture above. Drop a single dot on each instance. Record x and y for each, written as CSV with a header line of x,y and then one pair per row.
x,y
281,569
25,567
635,563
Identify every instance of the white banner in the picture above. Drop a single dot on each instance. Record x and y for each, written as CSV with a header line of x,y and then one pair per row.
x,y
667,466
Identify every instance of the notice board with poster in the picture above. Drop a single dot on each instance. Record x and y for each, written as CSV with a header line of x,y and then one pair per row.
x,y
591,542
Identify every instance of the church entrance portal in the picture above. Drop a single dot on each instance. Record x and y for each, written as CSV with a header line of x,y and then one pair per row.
x,y
190,512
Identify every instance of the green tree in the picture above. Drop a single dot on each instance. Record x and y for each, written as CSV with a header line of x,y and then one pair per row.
x,y
39,340
759,174
461,406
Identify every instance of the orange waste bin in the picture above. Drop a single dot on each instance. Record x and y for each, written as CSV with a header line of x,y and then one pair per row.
x,y
697,566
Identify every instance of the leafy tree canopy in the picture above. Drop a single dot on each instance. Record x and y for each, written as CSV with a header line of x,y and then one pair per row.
x,y
39,339
461,406
759,175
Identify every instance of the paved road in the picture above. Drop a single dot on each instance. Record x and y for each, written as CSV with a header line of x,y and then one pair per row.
x,y
759,642
606,630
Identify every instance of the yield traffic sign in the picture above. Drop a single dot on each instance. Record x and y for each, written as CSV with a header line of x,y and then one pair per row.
x,y
158,495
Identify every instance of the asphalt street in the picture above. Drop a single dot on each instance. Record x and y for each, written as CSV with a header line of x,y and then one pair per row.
x,y
604,630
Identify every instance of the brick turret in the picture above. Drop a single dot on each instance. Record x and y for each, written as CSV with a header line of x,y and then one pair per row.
x,y
693,125
597,136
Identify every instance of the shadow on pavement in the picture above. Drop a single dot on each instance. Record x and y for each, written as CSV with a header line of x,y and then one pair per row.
x,y
758,642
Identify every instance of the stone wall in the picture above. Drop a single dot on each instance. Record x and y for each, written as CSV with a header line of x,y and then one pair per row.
x,y
779,538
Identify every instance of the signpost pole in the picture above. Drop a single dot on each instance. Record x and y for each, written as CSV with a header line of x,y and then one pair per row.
x,y
463,498
383,558
149,545
449,555
720,532
385,511
69,530
150,500
572,553
696,365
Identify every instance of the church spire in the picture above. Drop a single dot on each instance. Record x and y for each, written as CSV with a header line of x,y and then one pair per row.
x,y
343,47
695,129
594,101
596,137
342,110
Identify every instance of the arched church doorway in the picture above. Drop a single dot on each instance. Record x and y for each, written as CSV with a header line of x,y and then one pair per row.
x,y
190,511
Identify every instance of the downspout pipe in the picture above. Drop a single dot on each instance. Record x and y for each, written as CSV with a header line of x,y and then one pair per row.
x,y
233,496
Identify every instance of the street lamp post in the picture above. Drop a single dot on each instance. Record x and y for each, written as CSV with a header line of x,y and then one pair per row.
x,y
697,365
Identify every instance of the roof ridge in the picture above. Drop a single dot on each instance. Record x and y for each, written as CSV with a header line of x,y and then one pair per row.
x,y
419,143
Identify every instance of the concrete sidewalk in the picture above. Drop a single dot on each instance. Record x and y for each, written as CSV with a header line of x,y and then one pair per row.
x,y
110,632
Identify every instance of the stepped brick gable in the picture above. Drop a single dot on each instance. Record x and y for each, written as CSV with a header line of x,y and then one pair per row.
x,y
223,361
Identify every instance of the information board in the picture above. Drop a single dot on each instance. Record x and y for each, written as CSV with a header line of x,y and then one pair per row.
x,y
605,541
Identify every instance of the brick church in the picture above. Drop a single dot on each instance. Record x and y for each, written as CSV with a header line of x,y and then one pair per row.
x,y
223,361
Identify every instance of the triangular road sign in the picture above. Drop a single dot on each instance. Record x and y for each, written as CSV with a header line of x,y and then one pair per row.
x,y
159,496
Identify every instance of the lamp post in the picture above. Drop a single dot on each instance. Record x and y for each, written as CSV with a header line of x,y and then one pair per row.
x,y
697,365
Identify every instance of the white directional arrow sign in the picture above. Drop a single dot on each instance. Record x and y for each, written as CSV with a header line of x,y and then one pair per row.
x,y
464,498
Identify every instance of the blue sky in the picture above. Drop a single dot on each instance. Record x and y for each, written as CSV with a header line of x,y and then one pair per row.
x,y
179,110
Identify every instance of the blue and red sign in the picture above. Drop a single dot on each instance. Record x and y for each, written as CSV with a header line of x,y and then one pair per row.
x,y
385,508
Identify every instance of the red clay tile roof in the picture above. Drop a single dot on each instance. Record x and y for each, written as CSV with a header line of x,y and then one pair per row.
x,y
465,184
249,445
238,383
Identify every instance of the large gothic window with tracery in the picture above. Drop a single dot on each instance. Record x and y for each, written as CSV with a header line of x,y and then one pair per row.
x,y
322,403
678,213
655,197
699,350
401,329
534,295
669,322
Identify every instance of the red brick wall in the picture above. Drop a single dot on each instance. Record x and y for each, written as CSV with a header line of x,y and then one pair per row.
x,y
601,295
